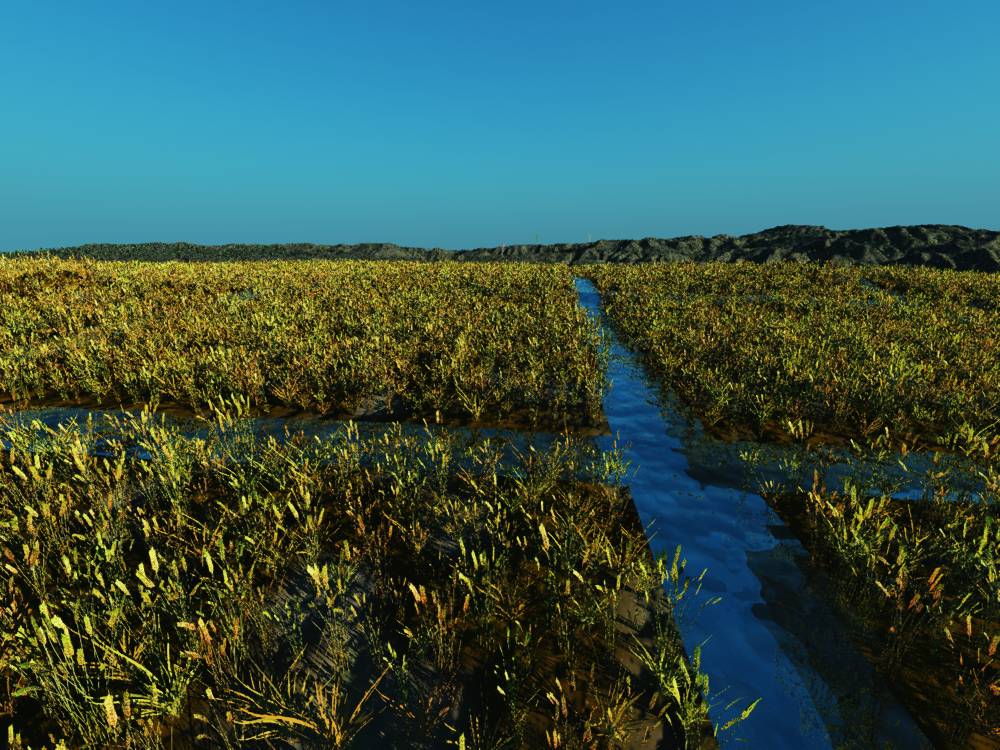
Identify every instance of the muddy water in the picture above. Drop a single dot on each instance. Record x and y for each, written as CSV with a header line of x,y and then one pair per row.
x,y
772,635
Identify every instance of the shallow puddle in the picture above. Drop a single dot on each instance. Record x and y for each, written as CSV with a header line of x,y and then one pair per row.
x,y
106,425
772,635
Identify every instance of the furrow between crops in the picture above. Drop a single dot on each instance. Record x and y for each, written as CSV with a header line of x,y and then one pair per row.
x,y
767,631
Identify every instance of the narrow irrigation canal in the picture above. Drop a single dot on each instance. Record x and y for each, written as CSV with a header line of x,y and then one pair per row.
x,y
771,635
763,622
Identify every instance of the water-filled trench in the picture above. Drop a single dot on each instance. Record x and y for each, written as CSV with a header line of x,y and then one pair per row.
x,y
771,634
762,620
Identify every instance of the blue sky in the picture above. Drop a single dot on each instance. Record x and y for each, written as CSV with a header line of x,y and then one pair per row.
x,y
460,124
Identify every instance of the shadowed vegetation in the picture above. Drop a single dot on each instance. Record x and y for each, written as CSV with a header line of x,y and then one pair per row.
x,y
879,360
419,591
918,578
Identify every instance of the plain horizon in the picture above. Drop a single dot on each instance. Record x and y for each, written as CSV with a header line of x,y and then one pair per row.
x,y
452,126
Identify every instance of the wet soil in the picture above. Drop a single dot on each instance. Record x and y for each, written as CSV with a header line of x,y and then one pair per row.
x,y
766,627
925,676
370,410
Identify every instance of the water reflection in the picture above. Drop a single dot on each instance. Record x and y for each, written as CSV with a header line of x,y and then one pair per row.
x,y
115,430
772,635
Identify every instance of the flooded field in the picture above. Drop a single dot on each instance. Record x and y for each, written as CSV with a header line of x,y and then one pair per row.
x,y
881,457
598,570
764,629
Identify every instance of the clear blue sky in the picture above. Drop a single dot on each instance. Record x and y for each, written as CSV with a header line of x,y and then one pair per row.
x,y
458,124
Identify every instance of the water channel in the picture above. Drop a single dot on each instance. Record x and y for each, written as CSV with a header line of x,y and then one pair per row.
x,y
771,635
762,621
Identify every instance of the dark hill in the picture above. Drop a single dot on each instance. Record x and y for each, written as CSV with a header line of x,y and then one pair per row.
x,y
938,245
930,244
163,251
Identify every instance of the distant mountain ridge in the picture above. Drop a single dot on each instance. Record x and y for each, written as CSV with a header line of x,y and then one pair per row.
x,y
937,245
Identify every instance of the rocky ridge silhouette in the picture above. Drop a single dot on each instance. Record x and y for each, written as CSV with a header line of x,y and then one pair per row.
x,y
937,245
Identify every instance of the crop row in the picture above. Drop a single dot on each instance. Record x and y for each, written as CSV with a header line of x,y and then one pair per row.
x,y
918,579
845,351
228,591
483,343
882,359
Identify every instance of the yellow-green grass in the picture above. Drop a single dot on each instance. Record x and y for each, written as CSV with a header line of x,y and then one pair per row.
x,y
845,351
918,579
467,343
229,591
882,359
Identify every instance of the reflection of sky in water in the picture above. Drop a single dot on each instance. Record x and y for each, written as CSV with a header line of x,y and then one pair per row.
x,y
772,635
743,465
